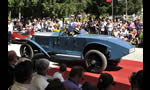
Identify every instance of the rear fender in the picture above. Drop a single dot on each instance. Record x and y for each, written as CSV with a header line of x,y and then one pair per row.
x,y
35,44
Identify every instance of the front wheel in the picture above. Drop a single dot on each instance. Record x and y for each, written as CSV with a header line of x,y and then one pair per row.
x,y
26,51
95,61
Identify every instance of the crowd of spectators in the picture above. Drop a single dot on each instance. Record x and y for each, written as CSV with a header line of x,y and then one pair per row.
x,y
131,31
22,77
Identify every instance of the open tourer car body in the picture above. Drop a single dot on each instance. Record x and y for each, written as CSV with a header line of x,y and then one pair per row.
x,y
96,50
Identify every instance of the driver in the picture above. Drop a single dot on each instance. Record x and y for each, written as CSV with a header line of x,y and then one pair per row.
x,y
70,30
75,31
82,30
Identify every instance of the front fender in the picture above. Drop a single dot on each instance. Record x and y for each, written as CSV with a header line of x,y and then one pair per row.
x,y
108,48
35,44
98,43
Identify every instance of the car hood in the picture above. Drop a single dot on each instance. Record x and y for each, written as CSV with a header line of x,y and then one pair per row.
x,y
109,39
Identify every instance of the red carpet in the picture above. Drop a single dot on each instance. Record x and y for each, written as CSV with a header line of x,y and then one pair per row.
x,y
121,74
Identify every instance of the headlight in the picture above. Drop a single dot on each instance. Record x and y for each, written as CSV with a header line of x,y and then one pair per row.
x,y
131,50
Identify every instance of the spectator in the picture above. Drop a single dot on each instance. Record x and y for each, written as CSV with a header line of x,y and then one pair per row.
x,y
60,73
139,80
121,36
82,30
39,81
60,24
19,25
23,76
28,25
132,25
134,32
105,82
130,36
124,33
54,24
10,31
38,26
141,38
91,25
105,22
55,84
138,26
12,60
75,77
102,27
136,80
43,25
109,27
116,33
97,27
50,26
88,86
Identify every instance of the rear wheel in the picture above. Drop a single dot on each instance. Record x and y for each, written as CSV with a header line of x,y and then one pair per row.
x,y
26,51
95,61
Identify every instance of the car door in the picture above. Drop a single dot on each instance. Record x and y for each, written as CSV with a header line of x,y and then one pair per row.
x,y
79,44
69,45
76,45
60,44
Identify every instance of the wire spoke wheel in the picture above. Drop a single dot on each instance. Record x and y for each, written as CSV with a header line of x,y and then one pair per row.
x,y
26,51
95,61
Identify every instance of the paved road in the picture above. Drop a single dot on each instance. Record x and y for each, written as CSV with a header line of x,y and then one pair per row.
x,y
136,56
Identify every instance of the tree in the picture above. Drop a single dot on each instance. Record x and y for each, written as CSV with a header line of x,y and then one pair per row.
x,y
98,7
18,5
137,6
10,6
63,8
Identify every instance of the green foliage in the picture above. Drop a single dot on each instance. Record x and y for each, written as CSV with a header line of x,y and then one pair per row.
x,y
98,7
11,3
34,2
19,3
63,8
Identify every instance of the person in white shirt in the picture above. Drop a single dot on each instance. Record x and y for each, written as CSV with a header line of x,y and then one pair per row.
x,y
10,26
20,86
10,30
124,33
60,73
23,76
109,27
116,33
50,26
60,24
39,81
102,26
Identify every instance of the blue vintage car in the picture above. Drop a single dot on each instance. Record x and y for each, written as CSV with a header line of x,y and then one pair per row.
x,y
96,50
